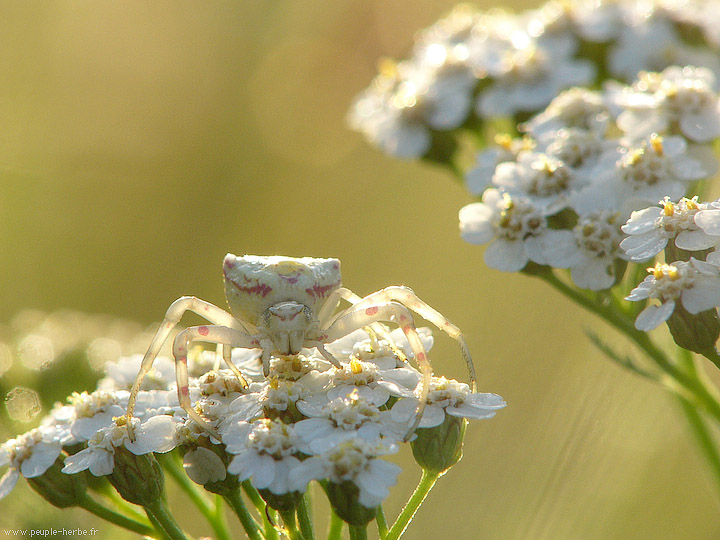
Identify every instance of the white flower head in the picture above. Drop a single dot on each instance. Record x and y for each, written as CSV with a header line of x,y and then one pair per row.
x,y
649,230
533,77
479,178
264,452
696,284
518,233
345,417
354,460
158,434
29,455
447,396
681,101
93,411
577,108
597,236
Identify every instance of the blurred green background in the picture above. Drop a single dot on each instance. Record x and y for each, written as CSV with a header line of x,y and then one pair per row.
x,y
141,141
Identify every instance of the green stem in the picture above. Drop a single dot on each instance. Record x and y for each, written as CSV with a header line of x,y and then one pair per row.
x,y
336,526
697,423
618,320
236,502
291,526
416,499
214,516
166,520
358,532
259,504
304,515
381,521
161,533
94,507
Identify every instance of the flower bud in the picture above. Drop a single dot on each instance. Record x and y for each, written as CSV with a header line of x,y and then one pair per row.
x,y
138,479
697,333
344,498
60,489
438,448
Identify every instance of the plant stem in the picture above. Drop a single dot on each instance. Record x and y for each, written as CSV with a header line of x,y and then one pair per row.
x,y
258,502
94,507
416,499
166,520
304,515
214,516
358,532
381,521
235,501
336,526
290,521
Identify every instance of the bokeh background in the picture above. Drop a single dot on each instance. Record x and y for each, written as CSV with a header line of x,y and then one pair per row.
x,y
141,141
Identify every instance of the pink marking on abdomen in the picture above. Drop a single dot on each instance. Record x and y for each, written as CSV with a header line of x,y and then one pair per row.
x,y
261,288
371,310
203,330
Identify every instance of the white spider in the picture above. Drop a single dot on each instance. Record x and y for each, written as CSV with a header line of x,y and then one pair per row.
x,y
282,304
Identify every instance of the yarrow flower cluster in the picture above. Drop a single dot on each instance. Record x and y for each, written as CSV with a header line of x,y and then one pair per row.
x,y
309,420
474,66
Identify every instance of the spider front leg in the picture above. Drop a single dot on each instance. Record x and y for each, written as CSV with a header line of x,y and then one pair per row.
x,y
409,299
228,338
173,315
355,318
327,316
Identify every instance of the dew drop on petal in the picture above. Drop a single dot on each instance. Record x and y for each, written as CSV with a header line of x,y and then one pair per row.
x,y
22,404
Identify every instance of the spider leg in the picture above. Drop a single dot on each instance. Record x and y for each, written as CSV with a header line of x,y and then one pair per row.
x,y
354,318
408,298
228,337
173,315
327,316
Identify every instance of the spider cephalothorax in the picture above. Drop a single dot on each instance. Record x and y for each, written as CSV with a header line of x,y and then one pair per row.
x,y
282,305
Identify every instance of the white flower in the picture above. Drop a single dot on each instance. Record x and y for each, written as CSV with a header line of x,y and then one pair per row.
x,y
479,178
597,236
578,108
630,178
518,233
29,455
122,373
544,180
264,452
694,283
355,461
532,78
447,396
650,229
93,412
347,417
681,99
158,434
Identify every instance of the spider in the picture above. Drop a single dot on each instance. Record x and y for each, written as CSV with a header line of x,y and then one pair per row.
x,y
281,305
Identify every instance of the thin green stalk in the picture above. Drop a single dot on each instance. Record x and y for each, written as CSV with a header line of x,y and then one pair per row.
x,y
291,526
358,532
381,521
259,504
703,437
160,512
236,502
698,425
416,499
214,516
94,507
693,386
160,532
304,515
336,526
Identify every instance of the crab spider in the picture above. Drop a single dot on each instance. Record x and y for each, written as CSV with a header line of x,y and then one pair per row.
x,y
281,305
